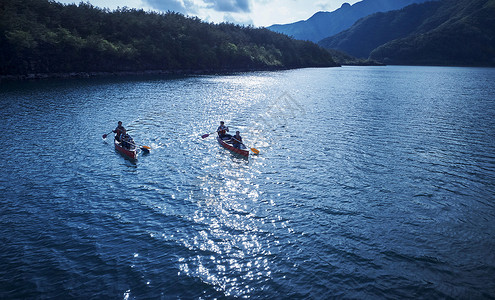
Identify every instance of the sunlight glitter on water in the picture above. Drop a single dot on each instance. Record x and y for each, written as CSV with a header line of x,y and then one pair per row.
x,y
383,180
231,242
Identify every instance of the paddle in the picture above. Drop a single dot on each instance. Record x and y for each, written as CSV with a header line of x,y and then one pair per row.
x,y
204,136
208,134
143,148
256,151
106,134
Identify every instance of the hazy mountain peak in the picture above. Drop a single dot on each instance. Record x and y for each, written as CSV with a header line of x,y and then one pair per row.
x,y
325,24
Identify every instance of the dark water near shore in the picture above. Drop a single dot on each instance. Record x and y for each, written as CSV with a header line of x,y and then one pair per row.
x,y
372,182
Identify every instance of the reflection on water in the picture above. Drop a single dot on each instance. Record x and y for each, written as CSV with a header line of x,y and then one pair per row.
x,y
230,248
371,182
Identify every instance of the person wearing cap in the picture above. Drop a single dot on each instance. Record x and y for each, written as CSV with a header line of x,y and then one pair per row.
x,y
118,131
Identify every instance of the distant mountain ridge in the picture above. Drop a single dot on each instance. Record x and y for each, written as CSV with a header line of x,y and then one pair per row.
x,y
325,24
448,32
370,32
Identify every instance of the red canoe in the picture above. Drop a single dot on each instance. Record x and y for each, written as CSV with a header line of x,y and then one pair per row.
x,y
129,153
242,152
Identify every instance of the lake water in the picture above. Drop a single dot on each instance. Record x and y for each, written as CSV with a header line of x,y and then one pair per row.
x,y
371,182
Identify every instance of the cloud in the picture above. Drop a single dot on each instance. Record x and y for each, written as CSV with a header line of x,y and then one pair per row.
x,y
229,5
190,7
242,20
323,6
181,6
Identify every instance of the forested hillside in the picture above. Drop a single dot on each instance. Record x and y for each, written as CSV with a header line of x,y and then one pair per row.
x,y
42,36
449,32
465,38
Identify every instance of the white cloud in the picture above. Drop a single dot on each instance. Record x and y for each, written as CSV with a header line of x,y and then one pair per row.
x,y
242,19
255,12
183,6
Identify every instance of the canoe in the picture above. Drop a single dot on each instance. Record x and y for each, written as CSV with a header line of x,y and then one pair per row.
x,y
242,152
129,153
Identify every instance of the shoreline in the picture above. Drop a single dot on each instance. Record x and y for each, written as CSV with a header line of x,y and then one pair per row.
x,y
74,75
82,75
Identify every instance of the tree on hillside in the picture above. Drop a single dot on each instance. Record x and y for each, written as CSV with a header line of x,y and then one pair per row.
x,y
42,36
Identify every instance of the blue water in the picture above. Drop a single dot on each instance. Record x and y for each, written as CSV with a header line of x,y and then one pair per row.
x,y
371,182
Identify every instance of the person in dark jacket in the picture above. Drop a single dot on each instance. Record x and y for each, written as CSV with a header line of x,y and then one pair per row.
x,y
222,131
118,131
237,140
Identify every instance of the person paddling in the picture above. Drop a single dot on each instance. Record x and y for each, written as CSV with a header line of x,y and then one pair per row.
x,y
222,131
237,140
118,131
127,140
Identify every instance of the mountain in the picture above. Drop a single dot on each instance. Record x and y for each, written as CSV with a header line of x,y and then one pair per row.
x,y
43,36
375,30
448,32
325,24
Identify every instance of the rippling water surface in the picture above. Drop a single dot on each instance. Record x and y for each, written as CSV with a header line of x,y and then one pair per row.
x,y
372,182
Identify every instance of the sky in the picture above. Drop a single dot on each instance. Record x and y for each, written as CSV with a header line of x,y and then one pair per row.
x,y
247,12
